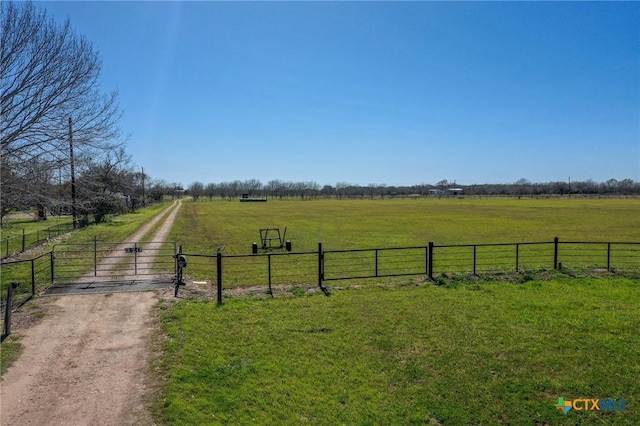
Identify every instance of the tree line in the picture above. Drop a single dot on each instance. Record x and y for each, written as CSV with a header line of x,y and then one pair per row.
x,y
343,190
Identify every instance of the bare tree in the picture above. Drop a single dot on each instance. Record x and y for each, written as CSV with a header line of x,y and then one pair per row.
x,y
523,186
341,188
48,75
442,184
107,185
251,186
210,190
274,188
196,189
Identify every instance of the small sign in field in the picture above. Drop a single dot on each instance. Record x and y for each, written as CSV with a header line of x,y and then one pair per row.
x,y
132,249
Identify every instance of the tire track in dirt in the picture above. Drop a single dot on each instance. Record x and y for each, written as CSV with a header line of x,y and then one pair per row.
x,y
86,362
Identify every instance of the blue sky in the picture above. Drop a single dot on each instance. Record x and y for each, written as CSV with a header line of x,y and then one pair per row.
x,y
395,93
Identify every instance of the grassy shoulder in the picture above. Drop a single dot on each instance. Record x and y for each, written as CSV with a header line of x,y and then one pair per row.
x,y
10,350
118,228
483,353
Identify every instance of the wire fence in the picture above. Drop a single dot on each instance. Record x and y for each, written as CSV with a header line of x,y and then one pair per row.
x,y
267,270
21,243
375,263
33,275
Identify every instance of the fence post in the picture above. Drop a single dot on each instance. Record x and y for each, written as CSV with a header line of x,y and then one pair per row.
x,y
517,256
6,331
474,259
608,256
219,276
269,272
555,253
321,271
135,258
95,256
376,262
430,260
320,265
33,278
52,257
426,260
23,241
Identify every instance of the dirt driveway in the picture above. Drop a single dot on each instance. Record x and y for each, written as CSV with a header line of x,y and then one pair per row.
x,y
86,362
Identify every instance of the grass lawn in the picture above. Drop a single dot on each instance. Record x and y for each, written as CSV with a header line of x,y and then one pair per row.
x,y
477,353
348,224
118,228
18,235
361,224
15,227
465,353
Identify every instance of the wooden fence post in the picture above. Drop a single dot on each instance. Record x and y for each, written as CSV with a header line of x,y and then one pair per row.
x,y
555,253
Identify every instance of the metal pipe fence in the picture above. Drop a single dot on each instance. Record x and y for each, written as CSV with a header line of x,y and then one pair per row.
x,y
290,269
109,259
476,258
21,243
375,263
34,275
305,268
250,270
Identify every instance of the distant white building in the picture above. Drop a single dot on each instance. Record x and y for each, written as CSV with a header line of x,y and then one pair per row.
x,y
450,191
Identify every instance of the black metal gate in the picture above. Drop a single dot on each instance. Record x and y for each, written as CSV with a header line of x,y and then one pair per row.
x,y
98,260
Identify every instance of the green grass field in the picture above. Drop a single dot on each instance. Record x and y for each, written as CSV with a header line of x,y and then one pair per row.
x,y
474,351
362,224
402,351
346,224
18,235
15,227
484,353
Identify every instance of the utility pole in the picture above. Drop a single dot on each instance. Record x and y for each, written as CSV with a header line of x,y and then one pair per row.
x,y
74,213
